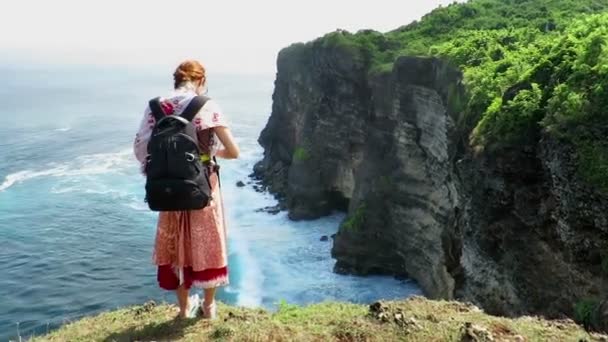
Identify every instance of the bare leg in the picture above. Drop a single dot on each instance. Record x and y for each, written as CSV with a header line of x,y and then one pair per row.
x,y
209,308
182,300
209,296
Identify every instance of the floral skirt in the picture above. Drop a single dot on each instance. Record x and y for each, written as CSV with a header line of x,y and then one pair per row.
x,y
190,246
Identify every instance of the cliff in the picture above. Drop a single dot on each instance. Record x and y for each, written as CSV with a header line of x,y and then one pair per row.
x,y
383,156
413,320
480,183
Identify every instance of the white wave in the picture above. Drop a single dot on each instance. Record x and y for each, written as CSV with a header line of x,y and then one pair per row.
x,y
89,188
85,165
22,176
249,290
138,206
63,129
65,189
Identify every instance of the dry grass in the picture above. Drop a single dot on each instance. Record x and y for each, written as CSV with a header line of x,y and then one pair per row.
x,y
416,319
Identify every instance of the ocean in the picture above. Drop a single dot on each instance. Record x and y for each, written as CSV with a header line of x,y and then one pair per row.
x,y
75,234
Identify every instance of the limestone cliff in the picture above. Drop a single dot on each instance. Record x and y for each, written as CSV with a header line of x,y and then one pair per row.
x,y
514,231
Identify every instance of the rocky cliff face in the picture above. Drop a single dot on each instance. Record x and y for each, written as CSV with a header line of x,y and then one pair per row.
x,y
533,235
513,231
316,135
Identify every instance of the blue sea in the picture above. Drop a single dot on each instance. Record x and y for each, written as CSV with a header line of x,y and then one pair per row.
x,y
75,234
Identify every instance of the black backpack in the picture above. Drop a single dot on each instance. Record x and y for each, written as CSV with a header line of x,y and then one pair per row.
x,y
177,179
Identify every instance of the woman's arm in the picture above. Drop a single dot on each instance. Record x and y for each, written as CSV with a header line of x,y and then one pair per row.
x,y
140,144
211,116
231,150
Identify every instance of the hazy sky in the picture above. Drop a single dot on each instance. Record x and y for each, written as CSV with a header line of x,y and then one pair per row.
x,y
227,35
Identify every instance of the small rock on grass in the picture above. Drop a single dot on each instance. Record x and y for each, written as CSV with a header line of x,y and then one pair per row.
x,y
476,333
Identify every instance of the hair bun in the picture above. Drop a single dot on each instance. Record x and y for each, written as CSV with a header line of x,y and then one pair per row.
x,y
189,70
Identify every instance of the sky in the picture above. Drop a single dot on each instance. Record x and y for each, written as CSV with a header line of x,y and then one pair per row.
x,y
240,36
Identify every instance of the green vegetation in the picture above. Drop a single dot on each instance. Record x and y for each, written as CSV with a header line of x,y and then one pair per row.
x,y
356,220
585,311
523,81
415,319
301,154
443,24
529,66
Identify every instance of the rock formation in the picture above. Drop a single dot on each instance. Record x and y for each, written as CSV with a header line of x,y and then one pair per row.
x,y
513,231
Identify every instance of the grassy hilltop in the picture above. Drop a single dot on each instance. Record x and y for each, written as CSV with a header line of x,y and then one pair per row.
x,y
416,319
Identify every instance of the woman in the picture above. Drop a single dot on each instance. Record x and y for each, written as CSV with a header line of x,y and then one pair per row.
x,y
190,247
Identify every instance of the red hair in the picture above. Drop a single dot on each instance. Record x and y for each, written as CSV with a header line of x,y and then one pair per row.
x,y
189,70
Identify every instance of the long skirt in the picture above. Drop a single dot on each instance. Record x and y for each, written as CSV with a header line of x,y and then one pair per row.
x,y
190,247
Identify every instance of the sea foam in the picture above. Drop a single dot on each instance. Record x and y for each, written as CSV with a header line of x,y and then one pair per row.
x,y
93,164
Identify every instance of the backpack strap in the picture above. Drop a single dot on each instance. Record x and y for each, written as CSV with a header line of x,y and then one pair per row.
x,y
217,170
156,109
194,107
